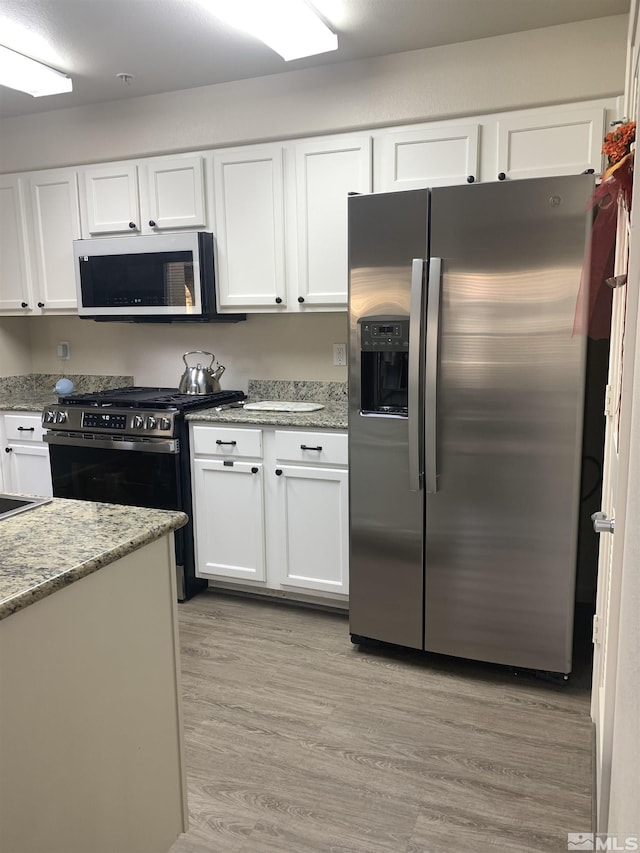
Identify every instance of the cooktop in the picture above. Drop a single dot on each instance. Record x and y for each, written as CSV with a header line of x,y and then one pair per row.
x,y
135,397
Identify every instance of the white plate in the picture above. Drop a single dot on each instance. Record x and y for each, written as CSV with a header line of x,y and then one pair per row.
x,y
282,406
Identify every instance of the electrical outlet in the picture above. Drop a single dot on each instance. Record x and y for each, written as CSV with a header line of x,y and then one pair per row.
x,y
63,350
339,355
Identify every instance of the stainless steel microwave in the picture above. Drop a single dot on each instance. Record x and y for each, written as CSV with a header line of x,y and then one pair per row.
x,y
148,278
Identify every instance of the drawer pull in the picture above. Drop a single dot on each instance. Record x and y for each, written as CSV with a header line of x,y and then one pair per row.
x,y
219,441
307,447
26,429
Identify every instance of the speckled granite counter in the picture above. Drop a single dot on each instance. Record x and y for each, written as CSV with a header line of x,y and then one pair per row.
x,y
53,545
332,395
33,392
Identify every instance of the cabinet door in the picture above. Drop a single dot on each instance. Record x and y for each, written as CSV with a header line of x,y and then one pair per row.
x,y
27,469
313,514
228,506
174,193
326,172
543,143
249,206
432,156
109,198
14,269
56,224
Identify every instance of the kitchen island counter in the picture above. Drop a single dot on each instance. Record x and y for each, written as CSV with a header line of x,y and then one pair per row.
x,y
53,545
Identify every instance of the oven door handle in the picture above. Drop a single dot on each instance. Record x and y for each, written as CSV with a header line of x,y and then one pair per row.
x,y
150,445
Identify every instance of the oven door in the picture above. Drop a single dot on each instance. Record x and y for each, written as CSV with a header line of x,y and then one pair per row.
x,y
131,471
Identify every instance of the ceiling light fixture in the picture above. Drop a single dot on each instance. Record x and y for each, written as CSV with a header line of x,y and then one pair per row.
x,y
290,27
27,75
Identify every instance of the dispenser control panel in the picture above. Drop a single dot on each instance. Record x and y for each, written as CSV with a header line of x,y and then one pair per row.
x,y
384,333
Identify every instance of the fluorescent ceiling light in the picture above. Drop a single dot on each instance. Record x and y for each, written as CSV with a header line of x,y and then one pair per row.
x,y
28,75
290,27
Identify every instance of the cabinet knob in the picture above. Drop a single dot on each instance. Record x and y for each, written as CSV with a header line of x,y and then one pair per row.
x,y
278,472
132,225
254,470
8,449
25,304
588,171
300,298
278,300
470,179
40,304
152,223
501,176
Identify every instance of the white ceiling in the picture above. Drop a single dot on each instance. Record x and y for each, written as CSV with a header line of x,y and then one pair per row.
x,y
169,45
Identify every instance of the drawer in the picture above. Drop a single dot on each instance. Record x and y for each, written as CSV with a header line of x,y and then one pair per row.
x,y
327,448
23,428
227,441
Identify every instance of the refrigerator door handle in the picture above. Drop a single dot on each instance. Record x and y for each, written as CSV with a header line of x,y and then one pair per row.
x,y
431,376
414,395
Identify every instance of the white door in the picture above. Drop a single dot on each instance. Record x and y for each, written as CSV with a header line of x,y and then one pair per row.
x,y
109,200
55,215
618,551
249,205
28,471
228,506
326,172
313,513
174,193
14,270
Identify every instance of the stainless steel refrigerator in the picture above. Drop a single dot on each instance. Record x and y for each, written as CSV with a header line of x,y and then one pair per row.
x,y
466,388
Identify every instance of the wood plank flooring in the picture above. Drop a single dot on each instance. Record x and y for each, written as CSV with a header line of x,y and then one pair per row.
x,y
297,741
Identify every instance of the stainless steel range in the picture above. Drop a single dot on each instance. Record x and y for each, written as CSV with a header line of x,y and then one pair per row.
x,y
130,446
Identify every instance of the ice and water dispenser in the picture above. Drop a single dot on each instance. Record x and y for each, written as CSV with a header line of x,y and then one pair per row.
x,y
384,365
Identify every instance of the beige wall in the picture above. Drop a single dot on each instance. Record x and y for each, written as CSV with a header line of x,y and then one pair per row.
x,y
15,354
559,64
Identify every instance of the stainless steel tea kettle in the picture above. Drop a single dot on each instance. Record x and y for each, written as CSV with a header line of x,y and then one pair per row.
x,y
199,379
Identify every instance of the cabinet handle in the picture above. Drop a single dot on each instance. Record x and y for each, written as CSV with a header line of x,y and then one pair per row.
x,y
471,179
501,176
152,223
306,447
25,304
132,225
26,429
278,300
588,172
278,472
254,470
300,298
40,304
219,441
8,449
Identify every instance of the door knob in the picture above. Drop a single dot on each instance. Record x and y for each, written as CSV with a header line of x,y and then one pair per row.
x,y
602,524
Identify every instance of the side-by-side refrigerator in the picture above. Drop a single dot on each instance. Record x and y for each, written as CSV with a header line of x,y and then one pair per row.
x,y
466,385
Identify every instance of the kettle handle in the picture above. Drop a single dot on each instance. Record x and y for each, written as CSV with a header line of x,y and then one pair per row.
x,y
198,352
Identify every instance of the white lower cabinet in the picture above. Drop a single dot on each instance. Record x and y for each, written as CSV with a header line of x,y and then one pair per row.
x,y
270,509
25,457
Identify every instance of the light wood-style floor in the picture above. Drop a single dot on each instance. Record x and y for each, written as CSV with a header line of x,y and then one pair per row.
x,y
297,741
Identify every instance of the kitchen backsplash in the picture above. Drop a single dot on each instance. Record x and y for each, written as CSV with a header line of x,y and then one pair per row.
x,y
282,389
44,383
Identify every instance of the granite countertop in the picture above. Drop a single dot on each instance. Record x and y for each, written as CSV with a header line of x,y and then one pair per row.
x,y
331,395
31,393
52,545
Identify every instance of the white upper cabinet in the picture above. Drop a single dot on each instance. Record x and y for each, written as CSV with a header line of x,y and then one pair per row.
x,y
326,171
54,225
543,143
249,216
15,293
144,196
430,155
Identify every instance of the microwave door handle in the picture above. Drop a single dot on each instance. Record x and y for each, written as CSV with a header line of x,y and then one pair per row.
x,y
434,287
414,391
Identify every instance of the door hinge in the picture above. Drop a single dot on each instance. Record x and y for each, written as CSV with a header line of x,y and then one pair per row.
x,y
595,635
609,408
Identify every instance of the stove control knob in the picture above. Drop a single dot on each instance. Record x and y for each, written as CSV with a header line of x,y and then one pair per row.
x,y
60,417
49,417
165,423
138,422
152,422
